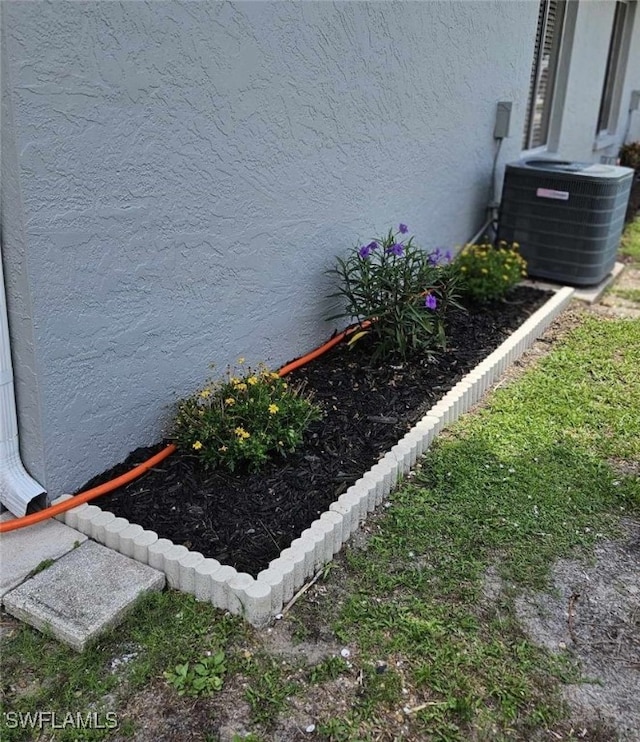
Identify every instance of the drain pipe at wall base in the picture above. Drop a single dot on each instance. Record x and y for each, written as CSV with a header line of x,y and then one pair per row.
x,y
17,489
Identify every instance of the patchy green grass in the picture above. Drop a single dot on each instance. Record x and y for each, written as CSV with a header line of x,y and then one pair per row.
x,y
510,489
628,294
164,630
630,244
269,688
516,486
329,669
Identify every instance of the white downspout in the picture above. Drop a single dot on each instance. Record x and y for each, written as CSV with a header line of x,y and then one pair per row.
x,y
17,488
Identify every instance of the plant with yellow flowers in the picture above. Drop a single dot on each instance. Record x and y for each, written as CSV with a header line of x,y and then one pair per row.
x,y
488,273
243,419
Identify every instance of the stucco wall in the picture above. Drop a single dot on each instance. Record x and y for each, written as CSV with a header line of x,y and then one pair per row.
x,y
188,171
16,276
578,119
631,82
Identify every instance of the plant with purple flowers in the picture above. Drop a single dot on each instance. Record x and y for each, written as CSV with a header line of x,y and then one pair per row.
x,y
405,292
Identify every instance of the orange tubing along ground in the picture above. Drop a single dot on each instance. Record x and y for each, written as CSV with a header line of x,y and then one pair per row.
x,y
138,471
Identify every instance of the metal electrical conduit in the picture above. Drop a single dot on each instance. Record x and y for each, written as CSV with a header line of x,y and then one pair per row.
x,y
138,471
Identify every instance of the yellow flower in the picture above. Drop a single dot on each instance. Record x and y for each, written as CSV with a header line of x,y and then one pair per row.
x,y
241,433
275,375
223,449
484,270
505,278
273,408
252,380
233,380
229,401
197,445
516,245
241,386
463,268
240,361
205,393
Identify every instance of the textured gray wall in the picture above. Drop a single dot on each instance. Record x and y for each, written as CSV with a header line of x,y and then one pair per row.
x,y
187,171
16,276
584,84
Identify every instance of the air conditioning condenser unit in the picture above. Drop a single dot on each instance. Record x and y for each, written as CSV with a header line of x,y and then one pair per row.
x,y
567,217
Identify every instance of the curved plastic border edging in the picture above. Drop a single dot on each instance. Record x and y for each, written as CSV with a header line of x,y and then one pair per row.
x,y
260,599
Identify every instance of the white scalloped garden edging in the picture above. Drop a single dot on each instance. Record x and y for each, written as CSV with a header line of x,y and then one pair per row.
x,y
260,599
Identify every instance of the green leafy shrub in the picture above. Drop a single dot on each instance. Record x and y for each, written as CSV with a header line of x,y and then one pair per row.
x,y
401,290
489,273
201,678
243,420
630,155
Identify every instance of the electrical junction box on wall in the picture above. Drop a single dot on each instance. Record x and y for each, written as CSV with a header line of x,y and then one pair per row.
x,y
566,216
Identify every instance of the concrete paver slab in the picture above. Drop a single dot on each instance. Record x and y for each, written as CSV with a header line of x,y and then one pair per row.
x,y
24,550
82,594
592,294
587,294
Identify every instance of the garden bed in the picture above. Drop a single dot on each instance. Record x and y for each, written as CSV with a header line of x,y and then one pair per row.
x,y
245,520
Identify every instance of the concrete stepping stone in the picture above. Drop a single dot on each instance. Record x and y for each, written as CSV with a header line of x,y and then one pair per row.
x,y
82,594
24,550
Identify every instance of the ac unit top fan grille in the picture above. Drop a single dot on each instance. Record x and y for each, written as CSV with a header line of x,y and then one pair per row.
x,y
567,217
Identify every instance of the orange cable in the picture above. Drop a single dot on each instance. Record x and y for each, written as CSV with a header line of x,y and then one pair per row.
x,y
102,489
137,471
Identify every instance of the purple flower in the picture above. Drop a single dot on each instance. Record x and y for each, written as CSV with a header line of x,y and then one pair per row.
x,y
365,251
438,256
434,257
396,249
430,302
403,229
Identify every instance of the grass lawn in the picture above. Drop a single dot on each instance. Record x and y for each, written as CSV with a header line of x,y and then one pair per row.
x,y
630,253
536,474
630,245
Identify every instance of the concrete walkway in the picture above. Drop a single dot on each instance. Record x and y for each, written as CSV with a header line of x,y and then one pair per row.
x,y
55,579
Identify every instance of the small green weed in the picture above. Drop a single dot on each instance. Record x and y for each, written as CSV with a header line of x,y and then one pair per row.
x,y
379,690
268,689
163,628
329,669
199,678
44,564
338,730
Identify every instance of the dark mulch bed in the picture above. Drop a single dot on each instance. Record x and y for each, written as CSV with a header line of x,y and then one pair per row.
x,y
245,520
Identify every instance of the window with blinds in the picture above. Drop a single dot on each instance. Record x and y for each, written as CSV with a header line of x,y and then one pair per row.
x,y
543,72
606,115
